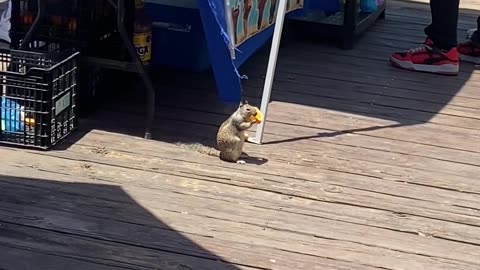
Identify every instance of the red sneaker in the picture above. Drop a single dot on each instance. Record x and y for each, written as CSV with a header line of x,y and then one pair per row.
x,y
469,51
427,58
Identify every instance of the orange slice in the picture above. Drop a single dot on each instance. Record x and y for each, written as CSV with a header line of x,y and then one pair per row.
x,y
258,116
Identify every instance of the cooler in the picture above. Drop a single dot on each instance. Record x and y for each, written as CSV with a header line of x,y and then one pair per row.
x,y
178,39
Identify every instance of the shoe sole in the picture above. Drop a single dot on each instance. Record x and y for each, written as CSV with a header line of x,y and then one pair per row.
x,y
471,59
446,69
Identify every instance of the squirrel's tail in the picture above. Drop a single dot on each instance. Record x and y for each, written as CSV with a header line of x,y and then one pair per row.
x,y
200,148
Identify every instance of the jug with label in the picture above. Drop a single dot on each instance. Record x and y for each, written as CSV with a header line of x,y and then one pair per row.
x,y
142,33
368,6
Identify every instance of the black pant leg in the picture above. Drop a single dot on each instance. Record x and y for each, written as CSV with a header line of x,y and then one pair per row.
x,y
443,29
476,35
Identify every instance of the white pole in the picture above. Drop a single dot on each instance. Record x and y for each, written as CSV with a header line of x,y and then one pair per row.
x,y
231,29
272,63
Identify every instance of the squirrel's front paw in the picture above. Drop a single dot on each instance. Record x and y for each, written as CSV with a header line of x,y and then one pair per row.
x,y
241,162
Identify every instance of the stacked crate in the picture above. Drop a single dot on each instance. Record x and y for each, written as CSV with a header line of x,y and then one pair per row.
x,y
40,86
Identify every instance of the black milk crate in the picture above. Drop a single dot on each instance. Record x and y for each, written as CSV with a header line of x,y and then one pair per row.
x,y
38,96
79,23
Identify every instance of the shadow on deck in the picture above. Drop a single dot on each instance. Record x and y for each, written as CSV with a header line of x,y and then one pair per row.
x,y
72,225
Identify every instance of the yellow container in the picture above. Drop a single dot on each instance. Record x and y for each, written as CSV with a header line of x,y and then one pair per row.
x,y
143,44
142,33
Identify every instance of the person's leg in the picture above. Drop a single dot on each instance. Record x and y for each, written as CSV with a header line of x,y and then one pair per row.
x,y
439,53
473,31
469,50
443,30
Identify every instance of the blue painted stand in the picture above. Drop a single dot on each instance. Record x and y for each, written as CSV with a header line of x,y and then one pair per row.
x,y
228,79
214,25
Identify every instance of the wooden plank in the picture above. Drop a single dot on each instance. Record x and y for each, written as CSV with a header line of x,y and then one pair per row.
x,y
303,190
14,258
325,160
100,251
357,91
377,44
467,8
424,134
435,109
272,235
203,110
207,189
363,52
405,155
406,32
143,150
381,105
368,71
299,123
464,22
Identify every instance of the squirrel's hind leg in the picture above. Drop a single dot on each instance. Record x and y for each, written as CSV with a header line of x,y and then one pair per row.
x,y
230,155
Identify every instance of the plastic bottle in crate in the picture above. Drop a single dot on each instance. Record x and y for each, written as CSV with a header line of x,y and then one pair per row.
x,y
12,115
142,33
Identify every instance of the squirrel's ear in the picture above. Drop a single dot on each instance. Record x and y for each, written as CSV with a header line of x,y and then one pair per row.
x,y
243,102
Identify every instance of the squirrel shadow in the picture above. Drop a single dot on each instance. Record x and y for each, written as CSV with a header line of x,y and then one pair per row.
x,y
253,160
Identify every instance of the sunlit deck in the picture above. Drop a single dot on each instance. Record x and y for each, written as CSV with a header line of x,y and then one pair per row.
x,y
365,167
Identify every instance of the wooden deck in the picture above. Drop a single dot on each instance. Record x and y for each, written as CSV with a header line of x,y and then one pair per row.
x,y
365,167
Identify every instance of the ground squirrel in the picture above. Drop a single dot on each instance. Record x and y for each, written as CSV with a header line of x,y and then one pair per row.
x,y
232,134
